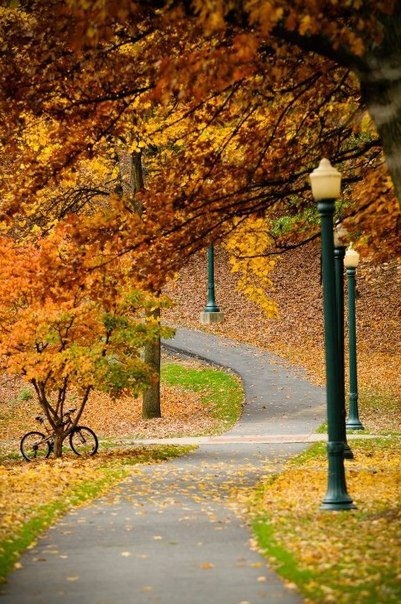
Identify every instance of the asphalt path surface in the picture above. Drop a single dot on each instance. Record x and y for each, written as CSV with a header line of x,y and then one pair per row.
x,y
174,533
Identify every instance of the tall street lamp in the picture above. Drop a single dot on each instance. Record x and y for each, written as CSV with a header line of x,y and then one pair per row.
x,y
351,261
326,187
211,313
340,237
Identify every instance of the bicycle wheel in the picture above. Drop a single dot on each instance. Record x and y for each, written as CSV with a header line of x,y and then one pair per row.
x,y
83,441
34,446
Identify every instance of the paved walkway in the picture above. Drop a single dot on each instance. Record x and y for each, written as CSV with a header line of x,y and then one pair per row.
x,y
170,533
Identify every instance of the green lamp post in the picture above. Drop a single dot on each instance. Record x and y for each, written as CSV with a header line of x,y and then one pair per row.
x,y
340,237
351,261
211,305
211,313
326,186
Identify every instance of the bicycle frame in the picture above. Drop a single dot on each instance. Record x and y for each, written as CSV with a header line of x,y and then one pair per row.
x,y
50,431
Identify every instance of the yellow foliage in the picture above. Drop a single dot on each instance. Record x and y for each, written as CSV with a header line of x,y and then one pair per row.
x,y
247,245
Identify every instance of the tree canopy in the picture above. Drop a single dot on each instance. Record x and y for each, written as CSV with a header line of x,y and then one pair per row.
x,y
231,104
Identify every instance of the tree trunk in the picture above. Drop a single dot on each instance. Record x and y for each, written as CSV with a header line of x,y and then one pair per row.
x,y
379,73
151,397
383,100
58,444
381,92
132,180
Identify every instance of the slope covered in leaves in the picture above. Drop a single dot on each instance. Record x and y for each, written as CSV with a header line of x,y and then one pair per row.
x,y
297,333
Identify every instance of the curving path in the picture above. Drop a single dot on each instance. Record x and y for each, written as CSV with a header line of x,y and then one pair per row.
x,y
170,534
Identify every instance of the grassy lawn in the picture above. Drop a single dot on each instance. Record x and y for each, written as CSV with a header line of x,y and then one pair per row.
x,y
34,495
219,390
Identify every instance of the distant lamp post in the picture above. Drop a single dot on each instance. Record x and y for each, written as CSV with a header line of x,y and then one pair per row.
x,y
326,188
211,313
351,261
340,244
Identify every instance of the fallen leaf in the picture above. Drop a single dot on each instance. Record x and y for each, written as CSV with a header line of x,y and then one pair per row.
x,y
206,565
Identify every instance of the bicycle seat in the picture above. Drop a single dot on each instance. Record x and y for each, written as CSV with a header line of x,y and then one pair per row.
x,y
40,418
69,411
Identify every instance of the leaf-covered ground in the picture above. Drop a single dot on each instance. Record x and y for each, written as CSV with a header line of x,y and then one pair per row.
x,y
336,557
196,399
297,333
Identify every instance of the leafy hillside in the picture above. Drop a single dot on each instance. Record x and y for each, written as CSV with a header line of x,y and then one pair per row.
x,y
297,334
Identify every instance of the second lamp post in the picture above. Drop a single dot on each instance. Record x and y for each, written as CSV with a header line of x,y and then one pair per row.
x,y
340,236
351,261
211,313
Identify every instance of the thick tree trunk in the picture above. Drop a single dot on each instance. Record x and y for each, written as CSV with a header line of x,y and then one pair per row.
x,y
381,91
379,74
383,100
151,397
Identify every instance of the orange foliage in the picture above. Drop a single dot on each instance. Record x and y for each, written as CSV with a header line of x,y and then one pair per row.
x,y
72,320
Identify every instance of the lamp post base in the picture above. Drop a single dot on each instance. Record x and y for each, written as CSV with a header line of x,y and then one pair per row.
x,y
336,497
354,424
207,317
337,505
348,454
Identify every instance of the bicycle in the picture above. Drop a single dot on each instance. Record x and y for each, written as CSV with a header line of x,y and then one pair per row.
x,y
36,445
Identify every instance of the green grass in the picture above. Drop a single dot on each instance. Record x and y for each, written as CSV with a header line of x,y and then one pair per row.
x,y
315,451
219,389
282,560
25,394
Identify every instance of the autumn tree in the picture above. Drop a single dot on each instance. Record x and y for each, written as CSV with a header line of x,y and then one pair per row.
x,y
234,103
69,329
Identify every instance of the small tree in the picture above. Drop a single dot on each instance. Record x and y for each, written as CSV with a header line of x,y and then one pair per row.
x,y
70,322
